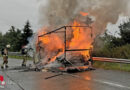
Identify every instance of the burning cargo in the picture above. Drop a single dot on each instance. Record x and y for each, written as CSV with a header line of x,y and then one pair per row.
x,y
66,48
73,44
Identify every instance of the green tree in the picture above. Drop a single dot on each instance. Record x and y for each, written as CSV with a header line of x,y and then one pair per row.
x,y
16,37
13,37
27,32
124,35
117,47
113,41
125,32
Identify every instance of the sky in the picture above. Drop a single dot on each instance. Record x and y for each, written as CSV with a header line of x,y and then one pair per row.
x,y
17,12
113,29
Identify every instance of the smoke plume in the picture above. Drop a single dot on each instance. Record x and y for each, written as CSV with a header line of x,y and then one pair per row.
x,y
56,13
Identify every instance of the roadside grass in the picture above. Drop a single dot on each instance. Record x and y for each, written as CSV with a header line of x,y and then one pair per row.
x,y
112,66
116,52
17,57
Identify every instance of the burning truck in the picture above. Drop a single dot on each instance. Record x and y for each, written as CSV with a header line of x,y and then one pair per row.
x,y
71,45
66,48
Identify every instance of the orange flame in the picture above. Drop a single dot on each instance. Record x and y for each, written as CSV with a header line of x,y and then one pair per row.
x,y
53,45
82,38
83,13
88,78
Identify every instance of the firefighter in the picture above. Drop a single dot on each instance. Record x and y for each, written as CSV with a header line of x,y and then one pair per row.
x,y
24,53
4,53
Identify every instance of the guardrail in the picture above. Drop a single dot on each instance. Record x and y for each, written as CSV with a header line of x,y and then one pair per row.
x,y
15,53
102,59
114,60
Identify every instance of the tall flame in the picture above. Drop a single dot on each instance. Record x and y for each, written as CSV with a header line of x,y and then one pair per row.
x,y
82,38
53,44
83,13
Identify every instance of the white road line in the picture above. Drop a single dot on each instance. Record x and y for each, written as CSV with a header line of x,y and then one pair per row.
x,y
112,84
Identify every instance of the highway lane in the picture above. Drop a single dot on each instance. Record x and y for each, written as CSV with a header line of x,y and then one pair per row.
x,y
98,79
93,80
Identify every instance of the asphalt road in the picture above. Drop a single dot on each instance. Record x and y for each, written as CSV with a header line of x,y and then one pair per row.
x,y
18,78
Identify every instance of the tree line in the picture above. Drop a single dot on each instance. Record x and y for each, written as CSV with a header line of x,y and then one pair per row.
x,y
113,46
15,37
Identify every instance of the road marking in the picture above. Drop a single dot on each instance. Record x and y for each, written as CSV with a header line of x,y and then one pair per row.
x,y
112,84
103,82
13,81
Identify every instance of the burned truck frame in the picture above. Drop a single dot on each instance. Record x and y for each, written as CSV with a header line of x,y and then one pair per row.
x,y
65,35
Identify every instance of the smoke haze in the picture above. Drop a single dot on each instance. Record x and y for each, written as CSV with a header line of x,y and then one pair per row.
x,y
56,13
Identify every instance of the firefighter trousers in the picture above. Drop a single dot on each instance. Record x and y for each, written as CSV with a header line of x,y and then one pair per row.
x,y
24,60
5,61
